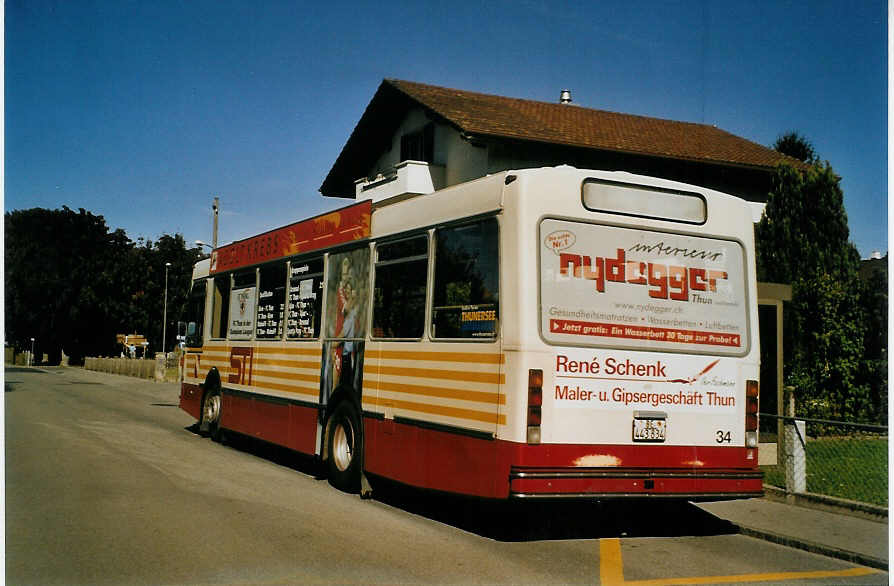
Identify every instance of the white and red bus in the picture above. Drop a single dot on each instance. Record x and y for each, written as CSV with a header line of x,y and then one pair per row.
x,y
545,333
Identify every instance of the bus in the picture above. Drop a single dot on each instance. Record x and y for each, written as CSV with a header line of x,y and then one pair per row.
x,y
533,334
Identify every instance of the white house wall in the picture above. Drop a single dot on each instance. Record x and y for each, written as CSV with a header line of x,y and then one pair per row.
x,y
463,161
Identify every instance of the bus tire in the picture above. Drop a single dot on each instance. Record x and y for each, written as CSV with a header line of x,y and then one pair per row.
x,y
212,408
344,447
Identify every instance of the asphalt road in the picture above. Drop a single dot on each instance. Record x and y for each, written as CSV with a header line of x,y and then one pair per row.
x,y
107,483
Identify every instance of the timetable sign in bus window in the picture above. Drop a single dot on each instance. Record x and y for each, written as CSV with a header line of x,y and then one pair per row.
x,y
242,314
639,289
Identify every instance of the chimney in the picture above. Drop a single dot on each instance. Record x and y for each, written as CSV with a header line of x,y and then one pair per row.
x,y
565,97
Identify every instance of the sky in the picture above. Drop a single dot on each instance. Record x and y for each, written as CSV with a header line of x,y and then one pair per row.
x,y
143,112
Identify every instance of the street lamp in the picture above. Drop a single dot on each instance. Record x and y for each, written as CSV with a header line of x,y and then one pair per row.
x,y
31,356
164,327
200,243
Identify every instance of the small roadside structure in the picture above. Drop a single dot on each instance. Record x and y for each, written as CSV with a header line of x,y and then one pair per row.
x,y
134,345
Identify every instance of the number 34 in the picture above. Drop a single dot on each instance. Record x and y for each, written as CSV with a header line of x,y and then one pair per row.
x,y
723,437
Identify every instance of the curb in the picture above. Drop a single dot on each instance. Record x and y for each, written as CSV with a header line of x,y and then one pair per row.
x,y
828,503
834,552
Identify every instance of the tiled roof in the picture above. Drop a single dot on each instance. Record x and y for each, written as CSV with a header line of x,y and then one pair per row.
x,y
572,125
498,118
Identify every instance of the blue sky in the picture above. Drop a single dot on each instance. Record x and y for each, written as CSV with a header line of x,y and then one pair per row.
x,y
144,111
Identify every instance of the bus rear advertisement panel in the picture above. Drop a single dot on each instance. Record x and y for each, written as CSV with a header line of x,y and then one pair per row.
x,y
670,399
643,290
651,348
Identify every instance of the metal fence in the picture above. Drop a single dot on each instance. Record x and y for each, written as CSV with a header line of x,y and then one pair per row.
x,y
830,458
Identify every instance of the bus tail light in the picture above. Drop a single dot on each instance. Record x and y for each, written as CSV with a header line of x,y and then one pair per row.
x,y
752,394
535,404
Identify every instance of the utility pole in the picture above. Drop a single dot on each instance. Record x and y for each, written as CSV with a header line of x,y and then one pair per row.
x,y
164,326
216,208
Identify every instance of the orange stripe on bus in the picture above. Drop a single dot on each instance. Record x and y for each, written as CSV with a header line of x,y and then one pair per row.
x,y
313,351
459,375
455,412
297,376
288,363
441,392
467,357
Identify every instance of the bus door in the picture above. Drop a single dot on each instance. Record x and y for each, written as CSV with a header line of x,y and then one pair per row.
x,y
347,303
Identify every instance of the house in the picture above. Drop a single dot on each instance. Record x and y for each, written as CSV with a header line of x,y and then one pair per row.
x,y
416,138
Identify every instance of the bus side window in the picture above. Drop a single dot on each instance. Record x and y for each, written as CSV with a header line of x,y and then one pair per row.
x,y
220,306
399,294
271,302
195,314
466,297
305,299
243,299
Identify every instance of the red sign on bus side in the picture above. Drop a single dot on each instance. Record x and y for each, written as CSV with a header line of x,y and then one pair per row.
x,y
338,227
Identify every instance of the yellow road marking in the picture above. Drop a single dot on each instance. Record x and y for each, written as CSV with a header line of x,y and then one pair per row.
x,y
611,572
611,567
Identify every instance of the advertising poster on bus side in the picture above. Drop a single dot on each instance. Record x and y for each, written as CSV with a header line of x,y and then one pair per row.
x,y
347,301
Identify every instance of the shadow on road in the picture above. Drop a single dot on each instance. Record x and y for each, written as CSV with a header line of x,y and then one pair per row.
x,y
276,454
554,520
515,520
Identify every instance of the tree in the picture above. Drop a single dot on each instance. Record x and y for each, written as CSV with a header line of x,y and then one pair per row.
x,y
802,239
149,297
796,146
804,228
54,259
874,300
72,284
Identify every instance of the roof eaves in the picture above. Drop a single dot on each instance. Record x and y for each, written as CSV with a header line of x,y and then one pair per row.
x,y
399,85
494,137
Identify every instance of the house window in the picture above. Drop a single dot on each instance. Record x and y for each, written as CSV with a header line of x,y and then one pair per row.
x,y
419,145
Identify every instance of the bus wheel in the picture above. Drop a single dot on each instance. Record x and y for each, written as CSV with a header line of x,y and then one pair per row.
x,y
344,447
211,410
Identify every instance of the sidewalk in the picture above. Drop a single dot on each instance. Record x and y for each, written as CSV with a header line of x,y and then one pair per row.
x,y
853,539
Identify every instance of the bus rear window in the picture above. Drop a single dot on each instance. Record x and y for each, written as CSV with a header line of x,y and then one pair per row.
x,y
628,199
643,290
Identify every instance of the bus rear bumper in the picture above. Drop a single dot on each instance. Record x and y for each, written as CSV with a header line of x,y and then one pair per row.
x,y
623,483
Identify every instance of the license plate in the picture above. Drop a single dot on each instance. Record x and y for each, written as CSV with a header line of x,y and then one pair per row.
x,y
649,430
